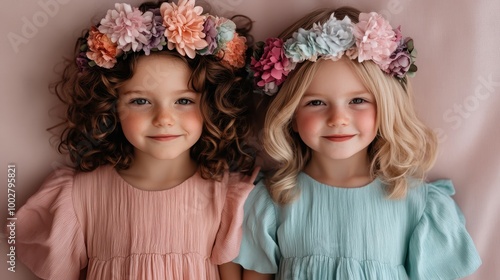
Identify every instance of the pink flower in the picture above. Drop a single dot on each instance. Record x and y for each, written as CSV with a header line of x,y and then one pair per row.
x,y
127,26
210,31
403,59
375,39
400,64
184,27
82,61
398,34
272,67
101,49
234,54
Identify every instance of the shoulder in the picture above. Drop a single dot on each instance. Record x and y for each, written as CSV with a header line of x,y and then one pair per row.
x,y
261,190
260,200
63,174
419,189
58,183
101,172
439,193
103,175
429,196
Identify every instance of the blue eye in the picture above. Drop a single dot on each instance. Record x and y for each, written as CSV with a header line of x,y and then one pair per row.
x,y
315,103
357,101
139,101
184,101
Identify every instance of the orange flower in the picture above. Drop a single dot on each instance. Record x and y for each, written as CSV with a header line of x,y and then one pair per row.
x,y
234,54
101,50
184,27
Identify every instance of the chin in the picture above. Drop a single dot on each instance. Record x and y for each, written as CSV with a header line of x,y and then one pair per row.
x,y
341,156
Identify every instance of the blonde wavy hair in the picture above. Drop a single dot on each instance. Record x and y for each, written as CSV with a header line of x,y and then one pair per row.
x,y
403,148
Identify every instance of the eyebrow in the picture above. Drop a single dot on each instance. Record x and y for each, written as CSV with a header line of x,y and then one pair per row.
x,y
307,94
178,92
129,92
313,94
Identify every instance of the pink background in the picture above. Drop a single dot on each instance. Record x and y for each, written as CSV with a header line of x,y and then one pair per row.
x,y
457,92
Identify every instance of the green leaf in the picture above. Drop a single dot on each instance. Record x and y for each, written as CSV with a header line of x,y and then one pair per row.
x,y
413,53
409,45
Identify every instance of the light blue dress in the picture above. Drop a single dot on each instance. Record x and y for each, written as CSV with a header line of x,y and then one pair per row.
x,y
357,233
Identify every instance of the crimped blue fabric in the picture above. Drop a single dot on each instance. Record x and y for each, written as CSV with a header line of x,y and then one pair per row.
x,y
357,233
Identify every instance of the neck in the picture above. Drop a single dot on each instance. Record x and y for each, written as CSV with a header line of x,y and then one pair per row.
x,y
348,173
149,173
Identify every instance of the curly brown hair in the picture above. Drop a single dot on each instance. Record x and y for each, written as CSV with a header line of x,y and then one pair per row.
x,y
92,134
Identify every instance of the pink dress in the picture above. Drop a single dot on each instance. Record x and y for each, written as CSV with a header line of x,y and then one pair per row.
x,y
97,220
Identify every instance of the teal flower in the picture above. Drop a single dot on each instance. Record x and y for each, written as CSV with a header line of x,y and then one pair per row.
x,y
225,32
335,37
302,46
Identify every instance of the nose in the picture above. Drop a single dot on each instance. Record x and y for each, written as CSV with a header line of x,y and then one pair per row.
x,y
338,117
163,117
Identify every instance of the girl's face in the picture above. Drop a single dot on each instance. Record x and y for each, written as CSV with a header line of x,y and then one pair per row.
x,y
159,114
336,117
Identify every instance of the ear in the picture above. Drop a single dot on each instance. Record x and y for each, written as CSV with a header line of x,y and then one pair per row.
x,y
294,125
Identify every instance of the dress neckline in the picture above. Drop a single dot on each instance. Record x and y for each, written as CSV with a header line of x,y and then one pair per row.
x,y
129,186
375,182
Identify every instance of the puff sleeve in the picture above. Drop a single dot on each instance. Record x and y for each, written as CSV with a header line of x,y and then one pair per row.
x,y
440,247
49,240
259,248
228,239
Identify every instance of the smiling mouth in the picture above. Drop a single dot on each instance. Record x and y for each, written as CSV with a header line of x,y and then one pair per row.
x,y
339,138
163,137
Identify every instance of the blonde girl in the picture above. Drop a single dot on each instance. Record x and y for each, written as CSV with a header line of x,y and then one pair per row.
x,y
346,199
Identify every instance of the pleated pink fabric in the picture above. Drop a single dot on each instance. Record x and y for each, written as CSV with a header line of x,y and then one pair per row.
x,y
97,220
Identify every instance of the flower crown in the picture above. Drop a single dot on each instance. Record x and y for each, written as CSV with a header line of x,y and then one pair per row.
x,y
372,38
181,26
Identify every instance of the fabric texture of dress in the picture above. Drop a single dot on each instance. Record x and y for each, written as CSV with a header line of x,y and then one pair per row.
x,y
97,220
357,233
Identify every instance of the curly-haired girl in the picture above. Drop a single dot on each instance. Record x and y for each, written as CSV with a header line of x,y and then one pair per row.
x,y
156,126
347,198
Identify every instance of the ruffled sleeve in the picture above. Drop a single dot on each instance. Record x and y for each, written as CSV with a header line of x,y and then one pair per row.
x,y
228,239
49,240
259,248
440,247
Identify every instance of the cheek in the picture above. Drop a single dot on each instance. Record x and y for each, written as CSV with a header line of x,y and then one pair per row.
x,y
307,123
194,120
130,122
367,120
